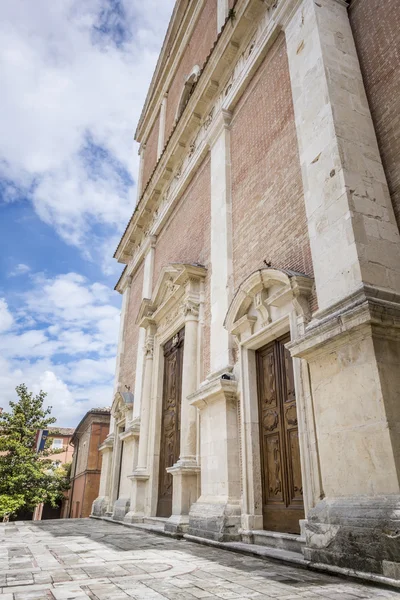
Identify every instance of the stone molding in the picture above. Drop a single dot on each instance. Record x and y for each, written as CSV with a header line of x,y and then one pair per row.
x,y
108,443
367,308
213,78
212,391
176,296
267,289
167,66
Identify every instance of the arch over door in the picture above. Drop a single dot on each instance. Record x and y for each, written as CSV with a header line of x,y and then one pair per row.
x,y
279,439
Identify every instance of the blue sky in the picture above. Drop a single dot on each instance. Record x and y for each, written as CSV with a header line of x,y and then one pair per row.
x,y
74,77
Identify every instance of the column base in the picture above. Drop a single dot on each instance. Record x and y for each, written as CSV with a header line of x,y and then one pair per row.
x,y
218,521
121,507
185,492
137,507
177,525
132,517
362,534
100,506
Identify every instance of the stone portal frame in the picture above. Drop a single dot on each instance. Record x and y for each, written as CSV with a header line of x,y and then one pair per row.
x,y
177,301
121,411
267,305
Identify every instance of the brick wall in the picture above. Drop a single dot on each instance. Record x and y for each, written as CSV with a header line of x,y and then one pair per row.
x,y
150,154
186,236
196,52
268,220
131,332
376,29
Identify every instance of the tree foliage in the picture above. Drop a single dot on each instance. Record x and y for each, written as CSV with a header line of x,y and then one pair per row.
x,y
27,478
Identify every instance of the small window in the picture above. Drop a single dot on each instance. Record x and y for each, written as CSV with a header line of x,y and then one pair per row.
x,y
57,444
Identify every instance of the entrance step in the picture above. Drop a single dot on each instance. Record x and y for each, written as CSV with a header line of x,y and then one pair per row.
x,y
155,520
283,541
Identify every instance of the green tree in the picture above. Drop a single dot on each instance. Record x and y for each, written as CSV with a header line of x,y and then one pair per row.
x,y
27,478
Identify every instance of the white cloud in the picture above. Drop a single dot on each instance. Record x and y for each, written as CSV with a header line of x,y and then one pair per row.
x,y
20,269
70,354
6,318
74,77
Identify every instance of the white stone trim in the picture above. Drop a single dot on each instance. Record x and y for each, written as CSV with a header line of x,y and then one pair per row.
x,y
221,283
161,128
268,304
350,218
176,299
222,14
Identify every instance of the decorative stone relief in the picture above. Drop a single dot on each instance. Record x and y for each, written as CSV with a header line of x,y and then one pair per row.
x,y
191,308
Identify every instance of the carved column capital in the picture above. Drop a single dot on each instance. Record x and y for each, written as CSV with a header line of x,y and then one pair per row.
x,y
149,346
191,308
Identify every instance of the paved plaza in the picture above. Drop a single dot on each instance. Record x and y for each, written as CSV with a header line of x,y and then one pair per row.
x,y
83,558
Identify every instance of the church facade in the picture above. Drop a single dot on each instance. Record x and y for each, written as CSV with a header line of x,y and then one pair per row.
x,y
257,392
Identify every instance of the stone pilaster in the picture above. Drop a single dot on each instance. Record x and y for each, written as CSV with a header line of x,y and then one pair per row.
x,y
221,241
352,345
216,514
140,475
101,505
161,129
185,472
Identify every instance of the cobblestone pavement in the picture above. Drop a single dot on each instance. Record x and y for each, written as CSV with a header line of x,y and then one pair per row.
x,y
68,559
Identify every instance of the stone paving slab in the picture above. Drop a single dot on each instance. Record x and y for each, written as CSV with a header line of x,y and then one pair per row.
x,y
90,559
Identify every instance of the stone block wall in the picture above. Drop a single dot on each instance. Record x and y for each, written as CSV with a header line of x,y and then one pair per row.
x,y
376,30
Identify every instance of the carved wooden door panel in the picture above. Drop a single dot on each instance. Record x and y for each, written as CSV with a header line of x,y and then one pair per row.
x,y
279,439
170,420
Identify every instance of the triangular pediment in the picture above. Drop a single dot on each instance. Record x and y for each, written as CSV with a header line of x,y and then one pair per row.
x,y
170,286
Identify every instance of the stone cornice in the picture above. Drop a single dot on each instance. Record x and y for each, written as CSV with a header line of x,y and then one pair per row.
x,y
167,65
367,309
108,443
127,275
212,391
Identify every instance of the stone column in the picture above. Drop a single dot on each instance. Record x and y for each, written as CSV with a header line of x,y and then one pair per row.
x,y
140,475
216,514
352,344
185,471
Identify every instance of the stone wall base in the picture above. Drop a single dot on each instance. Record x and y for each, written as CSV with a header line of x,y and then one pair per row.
x,y
121,507
362,534
215,521
100,506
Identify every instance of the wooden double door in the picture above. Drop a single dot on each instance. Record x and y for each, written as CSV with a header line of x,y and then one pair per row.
x,y
170,420
279,438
